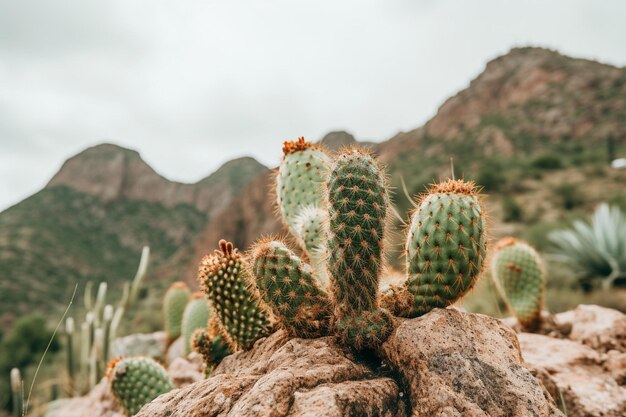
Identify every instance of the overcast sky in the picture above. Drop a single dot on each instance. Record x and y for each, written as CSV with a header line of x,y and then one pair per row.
x,y
193,83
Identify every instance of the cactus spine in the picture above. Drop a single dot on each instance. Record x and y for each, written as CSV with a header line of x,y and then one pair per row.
x,y
223,278
196,316
519,276
137,381
176,299
287,285
358,201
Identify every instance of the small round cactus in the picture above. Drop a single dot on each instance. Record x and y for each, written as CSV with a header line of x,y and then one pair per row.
x,y
176,299
224,279
518,273
445,250
137,381
287,286
196,316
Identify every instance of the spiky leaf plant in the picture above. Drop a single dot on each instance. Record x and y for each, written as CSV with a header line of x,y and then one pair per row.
x,y
517,270
445,250
137,381
596,249
357,206
287,285
224,280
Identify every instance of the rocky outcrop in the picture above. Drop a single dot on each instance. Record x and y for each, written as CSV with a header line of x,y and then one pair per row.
x,y
446,363
602,329
151,345
586,381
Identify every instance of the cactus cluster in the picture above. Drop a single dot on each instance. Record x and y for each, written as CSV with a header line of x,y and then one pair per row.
x,y
518,273
137,381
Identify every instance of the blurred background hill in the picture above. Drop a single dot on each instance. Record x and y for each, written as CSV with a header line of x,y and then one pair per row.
x,y
537,129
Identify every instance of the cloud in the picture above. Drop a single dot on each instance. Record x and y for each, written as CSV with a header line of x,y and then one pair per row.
x,y
192,84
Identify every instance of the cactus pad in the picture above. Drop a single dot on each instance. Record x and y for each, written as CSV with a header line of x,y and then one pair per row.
x,y
212,348
176,299
287,286
518,272
196,316
137,381
224,279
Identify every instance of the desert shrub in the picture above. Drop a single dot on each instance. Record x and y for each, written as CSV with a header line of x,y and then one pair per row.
x,y
547,162
595,250
512,212
490,176
569,195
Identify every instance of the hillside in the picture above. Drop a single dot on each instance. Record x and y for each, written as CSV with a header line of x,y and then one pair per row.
x,y
91,221
534,129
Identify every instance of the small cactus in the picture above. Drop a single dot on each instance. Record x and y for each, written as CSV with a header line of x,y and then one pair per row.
x,y
445,250
137,381
213,348
223,278
358,201
176,299
518,273
287,286
196,316
17,393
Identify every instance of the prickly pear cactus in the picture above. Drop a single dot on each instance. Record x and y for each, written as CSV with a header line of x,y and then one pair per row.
x,y
300,180
358,201
287,286
137,381
519,275
176,299
445,250
213,348
196,316
224,279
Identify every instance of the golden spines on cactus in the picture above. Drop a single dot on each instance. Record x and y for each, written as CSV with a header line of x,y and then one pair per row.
x,y
518,272
287,286
357,206
445,249
223,278
137,381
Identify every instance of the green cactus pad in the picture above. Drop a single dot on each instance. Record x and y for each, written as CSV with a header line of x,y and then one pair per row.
x,y
518,272
224,279
358,200
300,180
137,381
196,316
311,227
287,286
176,299
212,348
445,250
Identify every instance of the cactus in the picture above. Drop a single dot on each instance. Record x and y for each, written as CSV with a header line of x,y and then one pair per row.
x,y
519,276
176,299
224,280
358,200
196,316
17,393
69,346
212,348
445,250
137,381
287,286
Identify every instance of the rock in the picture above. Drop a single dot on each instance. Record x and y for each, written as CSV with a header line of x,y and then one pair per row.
x,y
549,326
186,371
151,345
615,364
453,363
461,364
576,372
98,403
601,328
281,377
175,350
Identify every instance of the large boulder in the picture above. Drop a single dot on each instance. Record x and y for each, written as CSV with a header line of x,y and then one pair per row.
x,y
446,363
587,381
603,329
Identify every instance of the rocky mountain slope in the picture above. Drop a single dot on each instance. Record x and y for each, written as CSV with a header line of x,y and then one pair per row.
x,y
531,125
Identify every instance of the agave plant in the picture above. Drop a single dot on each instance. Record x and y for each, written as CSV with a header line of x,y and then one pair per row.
x,y
596,249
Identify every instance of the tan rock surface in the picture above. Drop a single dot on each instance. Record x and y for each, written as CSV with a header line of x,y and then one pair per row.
x,y
580,374
601,328
98,403
461,364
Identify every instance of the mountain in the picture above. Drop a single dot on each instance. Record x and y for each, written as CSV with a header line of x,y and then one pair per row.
x,y
94,216
534,128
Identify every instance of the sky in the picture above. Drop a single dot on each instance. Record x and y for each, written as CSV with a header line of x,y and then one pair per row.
x,y
191,84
